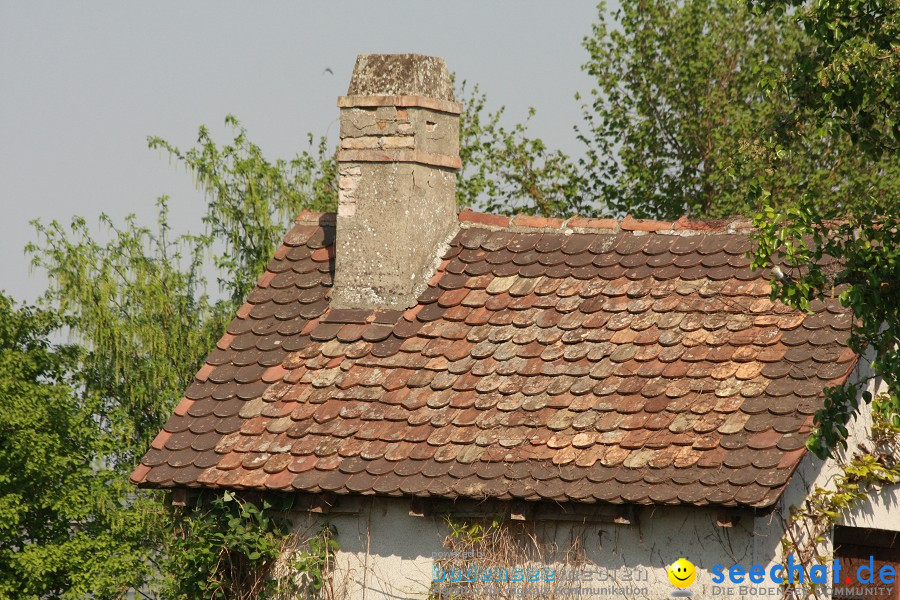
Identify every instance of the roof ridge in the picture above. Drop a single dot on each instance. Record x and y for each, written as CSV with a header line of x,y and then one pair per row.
x,y
682,226
309,217
471,218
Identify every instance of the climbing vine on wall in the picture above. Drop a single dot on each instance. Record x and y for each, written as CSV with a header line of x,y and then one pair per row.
x,y
229,547
807,531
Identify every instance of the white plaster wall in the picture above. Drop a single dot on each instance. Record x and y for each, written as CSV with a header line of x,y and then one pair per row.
x,y
660,536
385,552
881,510
399,562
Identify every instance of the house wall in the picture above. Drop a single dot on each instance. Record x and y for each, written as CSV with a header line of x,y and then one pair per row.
x,y
399,561
881,510
388,553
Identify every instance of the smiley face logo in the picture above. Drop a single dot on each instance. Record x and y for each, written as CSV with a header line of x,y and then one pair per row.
x,y
682,573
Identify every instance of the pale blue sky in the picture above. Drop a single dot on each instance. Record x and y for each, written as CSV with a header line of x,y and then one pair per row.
x,y
82,85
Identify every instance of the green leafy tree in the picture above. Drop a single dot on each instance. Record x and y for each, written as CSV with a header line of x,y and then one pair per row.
x,y
506,171
252,199
846,80
59,536
678,121
141,310
849,75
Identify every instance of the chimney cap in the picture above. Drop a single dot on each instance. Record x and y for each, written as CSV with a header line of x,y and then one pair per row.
x,y
401,75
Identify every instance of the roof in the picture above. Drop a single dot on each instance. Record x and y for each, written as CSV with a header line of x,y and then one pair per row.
x,y
581,360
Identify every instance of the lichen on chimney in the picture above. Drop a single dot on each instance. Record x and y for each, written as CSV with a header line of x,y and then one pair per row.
x,y
401,75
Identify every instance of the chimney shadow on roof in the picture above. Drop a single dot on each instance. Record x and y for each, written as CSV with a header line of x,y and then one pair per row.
x,y
330,237
327,223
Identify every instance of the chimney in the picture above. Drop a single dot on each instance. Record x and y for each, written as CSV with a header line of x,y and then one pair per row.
x,y
397,189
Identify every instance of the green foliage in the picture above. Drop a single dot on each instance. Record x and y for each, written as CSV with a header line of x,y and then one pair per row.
x,y
845,81
316,563
507,172
849,76
229,548
679,121
138,305
251,199
676,95
58,536
473,532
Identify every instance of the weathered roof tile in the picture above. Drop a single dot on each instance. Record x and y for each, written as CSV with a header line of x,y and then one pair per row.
x,y
599,365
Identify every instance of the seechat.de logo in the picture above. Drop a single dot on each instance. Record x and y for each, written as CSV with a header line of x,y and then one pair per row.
x,y
793,572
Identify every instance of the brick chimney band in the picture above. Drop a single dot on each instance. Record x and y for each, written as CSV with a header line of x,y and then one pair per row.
x,y
404,155
446,106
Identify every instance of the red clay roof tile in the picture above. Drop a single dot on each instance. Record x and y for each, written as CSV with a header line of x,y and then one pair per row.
x,y
599,365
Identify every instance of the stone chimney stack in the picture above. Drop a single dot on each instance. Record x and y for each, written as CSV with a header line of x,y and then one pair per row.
x,y
397,190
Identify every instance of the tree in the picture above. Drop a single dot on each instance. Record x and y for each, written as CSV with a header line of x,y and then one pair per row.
x,y
678,122
506,171
849,76
847,81
59,535
144,317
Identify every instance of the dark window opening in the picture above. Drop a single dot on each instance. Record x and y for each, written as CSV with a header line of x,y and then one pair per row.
x,y
854,546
